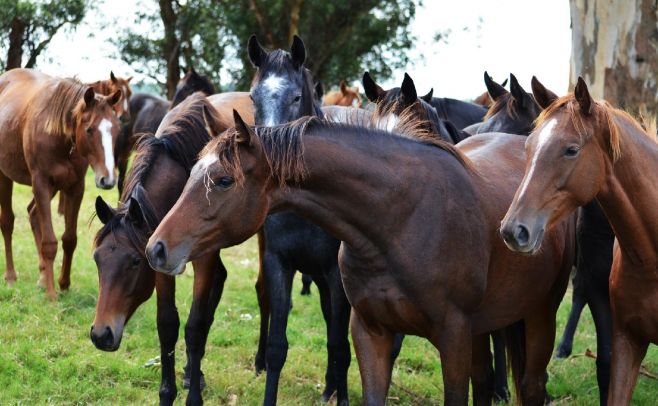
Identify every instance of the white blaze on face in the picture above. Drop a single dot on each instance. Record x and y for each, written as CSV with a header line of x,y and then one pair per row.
x,y
271,85
355,102
105,128
125,99
544,135
200,169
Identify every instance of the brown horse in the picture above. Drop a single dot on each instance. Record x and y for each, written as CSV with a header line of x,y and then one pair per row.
x,y
345,96
582,149
51,129
387,196
108,87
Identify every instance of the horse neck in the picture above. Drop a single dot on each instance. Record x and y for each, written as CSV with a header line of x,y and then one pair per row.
x,y
629,195
353,181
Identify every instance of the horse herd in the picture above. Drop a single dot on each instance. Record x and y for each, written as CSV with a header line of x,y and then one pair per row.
x,y
427,216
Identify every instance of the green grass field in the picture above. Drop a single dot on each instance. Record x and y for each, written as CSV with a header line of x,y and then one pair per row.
x,y
46,356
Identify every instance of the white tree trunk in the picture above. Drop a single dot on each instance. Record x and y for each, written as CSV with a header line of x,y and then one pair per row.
x,y
614,49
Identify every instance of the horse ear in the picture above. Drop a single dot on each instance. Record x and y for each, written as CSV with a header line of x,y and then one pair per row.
x,y
257,54
319,90
89,97
543,96
245,133
518,93
298,51
408,90
504,83
135,213
428,96
112,77
114,98
494,89
372,90
343,87
192,71
129,79
211,124
582,96
104,211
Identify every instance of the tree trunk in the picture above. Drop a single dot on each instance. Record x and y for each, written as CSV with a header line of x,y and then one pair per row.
x,y
614,50
16,38
170,46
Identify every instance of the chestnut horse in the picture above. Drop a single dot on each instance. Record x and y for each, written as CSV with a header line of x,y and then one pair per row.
x,y
345,96
51,130
108,87
161,167
582,149
386,196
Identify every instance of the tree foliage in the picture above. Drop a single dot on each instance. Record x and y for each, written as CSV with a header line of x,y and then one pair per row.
x,y
342,37
180,35
28,26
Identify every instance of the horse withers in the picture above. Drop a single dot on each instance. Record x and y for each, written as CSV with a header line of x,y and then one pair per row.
x,y
51,130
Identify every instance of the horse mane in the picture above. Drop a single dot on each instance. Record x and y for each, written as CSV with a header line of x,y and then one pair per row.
x,y
283,145
506,101
577,117
64,107
181,139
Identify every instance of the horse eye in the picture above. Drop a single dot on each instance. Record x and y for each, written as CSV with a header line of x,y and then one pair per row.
x,y
90,131
136,261
225,182
297,99
571,151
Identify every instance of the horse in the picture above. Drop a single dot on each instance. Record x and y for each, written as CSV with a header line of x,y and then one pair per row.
x,y
161,167
583,149
108,87
282,91
355,183
51,130
594,236
485,98
147,111
345,96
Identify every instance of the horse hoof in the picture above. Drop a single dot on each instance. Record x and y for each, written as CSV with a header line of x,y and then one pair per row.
x,y
10,282
501,396
64,286
562,352
305,291
328,394
186,381
52,296
41,282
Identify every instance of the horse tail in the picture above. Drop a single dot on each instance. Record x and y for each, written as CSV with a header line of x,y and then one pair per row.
x,y
516,354
62,204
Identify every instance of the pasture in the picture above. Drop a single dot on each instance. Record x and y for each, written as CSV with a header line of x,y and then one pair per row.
x,y
46,356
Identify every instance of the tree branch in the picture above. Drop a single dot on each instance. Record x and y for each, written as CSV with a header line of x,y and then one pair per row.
x,y
262,22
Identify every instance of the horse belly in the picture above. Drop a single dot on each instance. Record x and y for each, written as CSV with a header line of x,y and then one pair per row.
x,y
12,157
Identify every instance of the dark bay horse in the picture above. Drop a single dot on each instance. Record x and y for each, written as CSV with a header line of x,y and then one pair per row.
x,y
344,96
386,196
146,113
51,130
583,149
594,236
161,167
282,91
111,85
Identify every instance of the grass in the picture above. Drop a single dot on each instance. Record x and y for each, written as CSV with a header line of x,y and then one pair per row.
x,y
46,356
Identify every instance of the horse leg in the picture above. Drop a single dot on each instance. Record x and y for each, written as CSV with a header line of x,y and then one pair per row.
x,y
321,282
306,284
36,232
279,283
168,324
373,350
566,342
599,304
395,351
43,193
453,339
539,339
482,373
264,308
627,355
7,226
339,345
209,277
72,200
501,391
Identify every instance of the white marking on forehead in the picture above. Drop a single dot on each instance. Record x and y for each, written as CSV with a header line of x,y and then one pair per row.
x,y
544,135
355,102
105,127
273,83
207,161
388,122
125,98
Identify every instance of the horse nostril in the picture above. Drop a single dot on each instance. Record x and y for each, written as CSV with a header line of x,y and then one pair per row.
x,y
160,253
521,235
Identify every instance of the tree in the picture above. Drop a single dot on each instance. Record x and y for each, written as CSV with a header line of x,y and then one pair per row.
x,y
342,37
614,49
27,27
184,34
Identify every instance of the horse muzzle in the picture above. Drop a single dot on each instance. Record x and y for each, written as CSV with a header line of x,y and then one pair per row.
x,y
106,338
521,237
164,260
